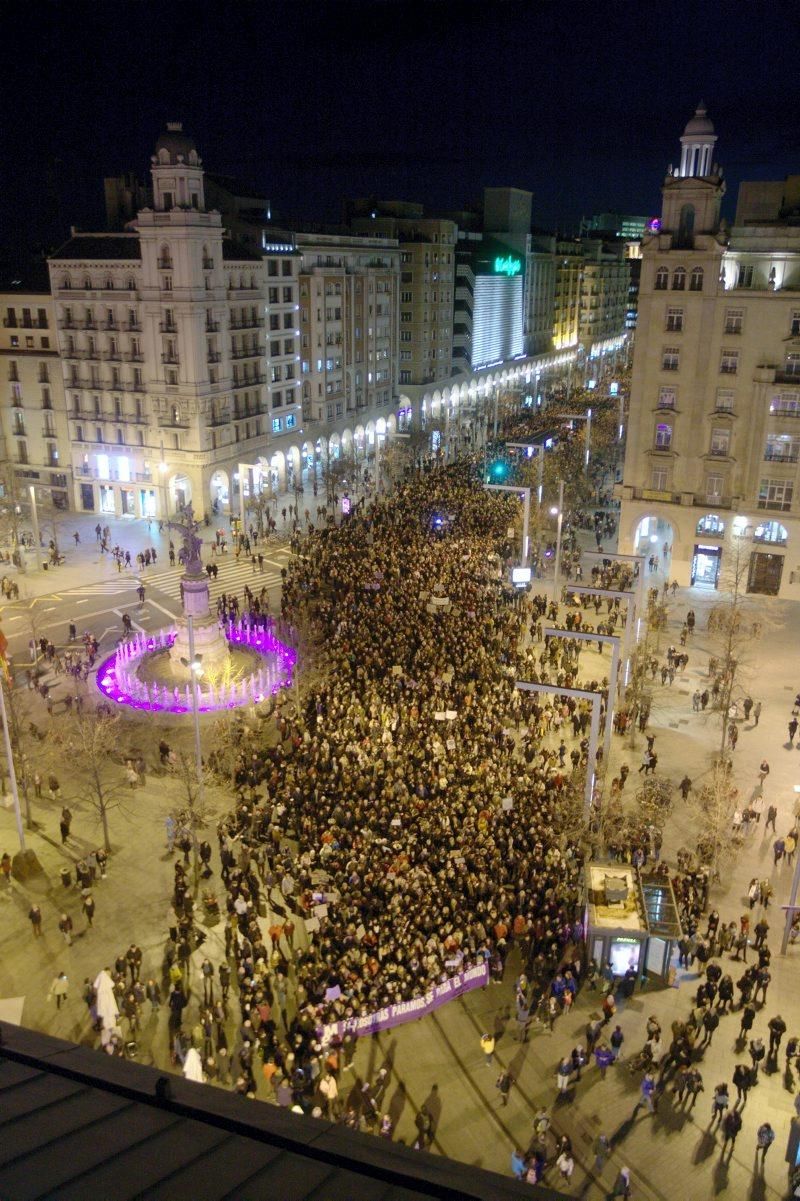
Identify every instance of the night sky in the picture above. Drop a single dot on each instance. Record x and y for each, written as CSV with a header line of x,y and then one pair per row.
x,y
582,104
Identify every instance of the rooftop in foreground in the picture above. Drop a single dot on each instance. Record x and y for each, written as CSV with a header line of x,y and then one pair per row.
x,y
75,1123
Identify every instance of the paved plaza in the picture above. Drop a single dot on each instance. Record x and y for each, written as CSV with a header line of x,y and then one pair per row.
x,y
437,1061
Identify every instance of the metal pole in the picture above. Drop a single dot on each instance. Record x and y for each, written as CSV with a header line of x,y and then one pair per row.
x,y
540,487
35,523
495,412
12,775
791,907
591,766
526,518
195,705
558,539
588,438
612,700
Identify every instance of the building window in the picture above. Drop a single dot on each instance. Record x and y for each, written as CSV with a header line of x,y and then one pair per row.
x,y
663,439
734,320
667,397
729,362
674,320
291,421
277,425
696,280
712,523
776,495
794,328
793,363
662,279
679,279
781,448
670,358
772,532
744,276
659,479
714,486
720,443
786,402
272,267
724,400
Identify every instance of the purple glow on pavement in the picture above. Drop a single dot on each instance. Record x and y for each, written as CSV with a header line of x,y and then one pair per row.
x,y
116,676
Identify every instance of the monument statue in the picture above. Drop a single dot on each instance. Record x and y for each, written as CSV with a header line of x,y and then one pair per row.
x,y
189,555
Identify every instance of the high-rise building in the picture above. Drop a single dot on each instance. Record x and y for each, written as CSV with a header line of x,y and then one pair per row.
x,y
711,462
619,225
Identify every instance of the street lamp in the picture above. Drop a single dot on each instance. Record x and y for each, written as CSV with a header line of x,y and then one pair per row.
x,y
558,512
196,671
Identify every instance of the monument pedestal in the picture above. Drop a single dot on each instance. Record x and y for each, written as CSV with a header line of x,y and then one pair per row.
x,y
210,644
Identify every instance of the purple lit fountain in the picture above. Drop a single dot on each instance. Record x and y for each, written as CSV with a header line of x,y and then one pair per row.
x,y
242,663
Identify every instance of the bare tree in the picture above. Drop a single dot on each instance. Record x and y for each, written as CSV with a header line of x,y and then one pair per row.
x,y
715,803
735,627
95,745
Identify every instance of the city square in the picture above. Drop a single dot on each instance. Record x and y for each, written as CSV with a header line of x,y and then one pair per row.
x,y
400,792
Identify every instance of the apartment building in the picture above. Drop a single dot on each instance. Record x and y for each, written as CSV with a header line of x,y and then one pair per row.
x,y
180,351
711,466
33,415
350,337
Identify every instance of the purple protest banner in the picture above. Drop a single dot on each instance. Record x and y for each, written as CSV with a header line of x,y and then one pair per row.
x,y
407,1011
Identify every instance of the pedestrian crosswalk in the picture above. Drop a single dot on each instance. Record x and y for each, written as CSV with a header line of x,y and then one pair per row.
x,y
232,576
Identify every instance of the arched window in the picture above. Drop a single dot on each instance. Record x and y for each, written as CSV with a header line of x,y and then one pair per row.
x,y
771,531
679,279
696,280
663,436
662,279
87,283
165,258
686,225
67,282
131,284
712,523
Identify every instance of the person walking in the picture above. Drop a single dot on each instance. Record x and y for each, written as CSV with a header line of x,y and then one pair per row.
x,y
777,1029
88,908
487,1046
765,1137
564,1074
742,1079
504,1082
757,1053
64,824
648,1092
719,1103
731,1125
792,729
65,925
35,919
772,813
58,989
622,1185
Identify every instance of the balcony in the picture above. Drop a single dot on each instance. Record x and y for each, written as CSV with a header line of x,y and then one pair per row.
x,y
779,410
780,457
252,382
134,356
208,264
214,356
10,322
109,325
212,327
112,356
168,327
133,327
255,352
167,423
165,264
248,323
171,359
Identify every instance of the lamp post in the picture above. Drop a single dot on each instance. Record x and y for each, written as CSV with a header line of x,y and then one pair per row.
x,y
196,670
560,513
35,524
594,729
12,774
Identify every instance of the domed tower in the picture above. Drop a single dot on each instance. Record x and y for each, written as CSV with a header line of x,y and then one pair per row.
x,y
697,145
693,193
177,171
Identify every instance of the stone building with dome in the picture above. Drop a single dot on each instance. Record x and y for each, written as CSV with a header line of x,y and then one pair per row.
x,y
713,441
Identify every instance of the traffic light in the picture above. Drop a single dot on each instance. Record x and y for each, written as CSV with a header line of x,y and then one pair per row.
x,y
498,471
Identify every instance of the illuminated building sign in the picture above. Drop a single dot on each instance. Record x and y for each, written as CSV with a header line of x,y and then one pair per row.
x,y
507,265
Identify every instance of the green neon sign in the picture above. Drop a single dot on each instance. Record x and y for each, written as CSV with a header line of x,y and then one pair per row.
x,y
507,266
